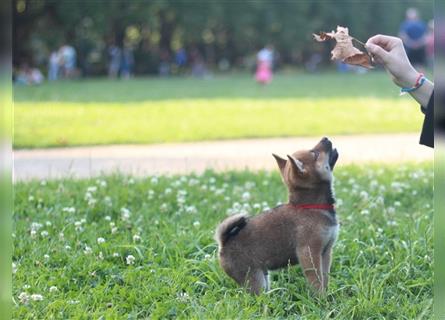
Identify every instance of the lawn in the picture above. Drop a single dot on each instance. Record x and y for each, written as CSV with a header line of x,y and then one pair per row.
x,y
125,247
153,110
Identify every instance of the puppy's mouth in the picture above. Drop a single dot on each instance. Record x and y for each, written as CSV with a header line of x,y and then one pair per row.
x,y
333,157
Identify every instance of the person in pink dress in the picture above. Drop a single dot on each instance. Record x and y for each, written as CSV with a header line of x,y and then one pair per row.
x,y
263,73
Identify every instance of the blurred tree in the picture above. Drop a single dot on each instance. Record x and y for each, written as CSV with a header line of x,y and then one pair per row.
x,y
219,30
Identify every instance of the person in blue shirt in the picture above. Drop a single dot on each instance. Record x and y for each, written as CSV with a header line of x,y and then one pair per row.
x,y
413,33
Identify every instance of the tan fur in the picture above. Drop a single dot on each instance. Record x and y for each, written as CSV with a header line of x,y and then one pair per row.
x,y
285,235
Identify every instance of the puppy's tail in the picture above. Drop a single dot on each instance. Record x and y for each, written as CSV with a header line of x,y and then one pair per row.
x,y
230,228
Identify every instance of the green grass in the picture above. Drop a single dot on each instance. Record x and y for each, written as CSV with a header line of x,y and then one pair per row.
x,y
152,110
382,263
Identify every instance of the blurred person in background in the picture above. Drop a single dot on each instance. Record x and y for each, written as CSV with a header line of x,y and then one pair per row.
x,y
127,62
181,59
265,58
390,52
28,76
413,33
115,58
68,58
53,65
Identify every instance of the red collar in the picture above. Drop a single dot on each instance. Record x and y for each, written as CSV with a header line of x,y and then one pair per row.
x,y
321,206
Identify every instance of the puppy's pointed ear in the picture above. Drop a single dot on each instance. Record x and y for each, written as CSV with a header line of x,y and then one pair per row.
x,y
281,162
297,165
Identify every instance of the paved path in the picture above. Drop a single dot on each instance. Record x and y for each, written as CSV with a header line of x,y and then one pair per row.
x,y
196,157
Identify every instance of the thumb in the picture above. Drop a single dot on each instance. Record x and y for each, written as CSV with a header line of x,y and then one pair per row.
x,y
378,51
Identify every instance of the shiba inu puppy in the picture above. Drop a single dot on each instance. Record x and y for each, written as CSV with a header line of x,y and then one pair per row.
x,y
302,231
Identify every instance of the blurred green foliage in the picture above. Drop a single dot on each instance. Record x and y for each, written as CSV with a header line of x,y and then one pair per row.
x,y
226,31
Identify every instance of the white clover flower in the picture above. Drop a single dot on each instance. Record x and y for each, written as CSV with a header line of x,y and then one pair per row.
x,y
108,201
151,194
83,220
364,195
107,218
180,200
125,214
46,256
365,212
113,230
31,198
92,189
48,223
163,207
67,247
36,297
136,238
183,296
391,210
102,183
100,240
92,202
116,255
44,233
196,224
397,204
73,301
23,297
246,196
193,182
154,180
36,226
87,250
191,209
33,233
69,209
53,289
130,259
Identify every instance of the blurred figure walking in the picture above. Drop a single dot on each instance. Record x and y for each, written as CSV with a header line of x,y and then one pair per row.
x,y
68,57
115,56
53,66
264,65
127,62
413,33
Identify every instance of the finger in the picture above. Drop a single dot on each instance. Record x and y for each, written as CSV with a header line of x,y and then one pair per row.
x,y
380,53
386,42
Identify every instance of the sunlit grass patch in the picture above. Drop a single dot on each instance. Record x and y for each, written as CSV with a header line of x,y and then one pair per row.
x,y
50,124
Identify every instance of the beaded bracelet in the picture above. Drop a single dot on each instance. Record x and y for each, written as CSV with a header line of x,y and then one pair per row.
x,y
419,82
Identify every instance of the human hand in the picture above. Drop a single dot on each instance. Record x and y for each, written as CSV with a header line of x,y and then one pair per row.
x,y
390,52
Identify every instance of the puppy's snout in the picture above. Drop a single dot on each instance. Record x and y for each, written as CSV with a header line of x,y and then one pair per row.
x,y
325,144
